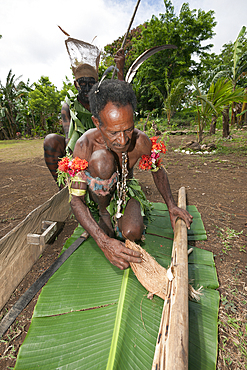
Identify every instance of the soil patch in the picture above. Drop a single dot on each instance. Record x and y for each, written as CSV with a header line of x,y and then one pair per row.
x,y
215,184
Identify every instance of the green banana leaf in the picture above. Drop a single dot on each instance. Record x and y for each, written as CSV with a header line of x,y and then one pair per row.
x,y
91,315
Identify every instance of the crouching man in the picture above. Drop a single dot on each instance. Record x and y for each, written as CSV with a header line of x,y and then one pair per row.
x,y
111,151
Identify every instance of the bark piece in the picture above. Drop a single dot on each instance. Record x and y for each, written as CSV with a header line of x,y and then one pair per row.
x,y
149,272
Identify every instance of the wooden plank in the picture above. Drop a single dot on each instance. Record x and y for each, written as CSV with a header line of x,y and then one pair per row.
x,y
48,233
33,239
16,255
49,227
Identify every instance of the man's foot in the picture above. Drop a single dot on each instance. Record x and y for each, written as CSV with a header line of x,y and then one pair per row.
x,y
105,223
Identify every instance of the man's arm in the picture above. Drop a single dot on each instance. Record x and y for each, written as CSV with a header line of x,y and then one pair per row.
x,y
119,59
114,250
65,113
162,184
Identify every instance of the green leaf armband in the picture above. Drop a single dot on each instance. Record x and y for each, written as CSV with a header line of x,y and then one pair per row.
x,y
77,192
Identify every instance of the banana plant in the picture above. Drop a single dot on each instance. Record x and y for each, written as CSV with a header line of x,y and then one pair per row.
x,y
9,97
235,71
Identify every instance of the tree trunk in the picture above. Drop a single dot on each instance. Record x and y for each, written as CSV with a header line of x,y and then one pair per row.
x,y
243,117
154,126
233,116
168,118
10,125
200,125
213,125
145,123
226,130
42,121
4,131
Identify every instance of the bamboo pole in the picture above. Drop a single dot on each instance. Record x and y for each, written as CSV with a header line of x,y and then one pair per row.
x,y
173,339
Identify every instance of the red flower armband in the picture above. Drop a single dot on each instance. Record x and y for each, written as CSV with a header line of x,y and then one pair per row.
x,y
153,161
68,168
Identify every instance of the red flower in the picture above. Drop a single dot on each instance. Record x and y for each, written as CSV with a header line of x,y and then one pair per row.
x,y
72,166
154,139
158,146
158,164
63,165
153,162
145,162
163,147
78,164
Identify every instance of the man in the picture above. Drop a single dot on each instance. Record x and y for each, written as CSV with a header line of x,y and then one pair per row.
x,y
115,145
84,59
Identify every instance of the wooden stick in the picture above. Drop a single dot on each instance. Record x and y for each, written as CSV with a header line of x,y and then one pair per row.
x,y
130,24
173,340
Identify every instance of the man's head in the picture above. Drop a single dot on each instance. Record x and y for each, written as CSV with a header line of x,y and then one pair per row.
x,y
84,85
112,105
120,93
84,60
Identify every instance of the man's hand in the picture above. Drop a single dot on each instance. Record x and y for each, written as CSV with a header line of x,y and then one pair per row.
x,y
176,212
120,256
162,183
119,59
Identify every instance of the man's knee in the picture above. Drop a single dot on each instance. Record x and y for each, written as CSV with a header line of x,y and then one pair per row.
x,y
133,232
102,164
131,224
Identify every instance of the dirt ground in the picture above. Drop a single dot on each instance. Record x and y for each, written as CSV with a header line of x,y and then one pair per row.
x,y
215,184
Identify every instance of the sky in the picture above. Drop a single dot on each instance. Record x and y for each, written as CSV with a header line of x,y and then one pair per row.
x,y
33,46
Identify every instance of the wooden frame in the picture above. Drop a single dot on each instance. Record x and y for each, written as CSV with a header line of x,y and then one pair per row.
x,y
17,254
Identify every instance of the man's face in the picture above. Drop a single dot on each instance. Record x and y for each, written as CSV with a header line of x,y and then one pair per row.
x,y
84,85
117,126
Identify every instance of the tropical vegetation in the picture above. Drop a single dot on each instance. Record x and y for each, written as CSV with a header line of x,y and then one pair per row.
x,y
188,85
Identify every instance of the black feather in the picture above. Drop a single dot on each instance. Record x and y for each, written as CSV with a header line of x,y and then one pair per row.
x,y
144,56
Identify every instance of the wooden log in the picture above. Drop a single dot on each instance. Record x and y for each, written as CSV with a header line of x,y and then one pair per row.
x,y
17,256
173,339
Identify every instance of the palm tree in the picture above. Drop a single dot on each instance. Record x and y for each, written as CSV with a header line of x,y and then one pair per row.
x,y
174,93
216,101
200,106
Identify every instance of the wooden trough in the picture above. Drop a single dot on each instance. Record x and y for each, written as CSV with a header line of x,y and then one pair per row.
x,y
22,246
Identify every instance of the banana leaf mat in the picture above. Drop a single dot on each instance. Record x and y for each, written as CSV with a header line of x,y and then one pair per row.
x,y
91,315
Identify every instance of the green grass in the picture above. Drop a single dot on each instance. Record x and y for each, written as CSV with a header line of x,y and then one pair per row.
x,y
20,150
237,145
